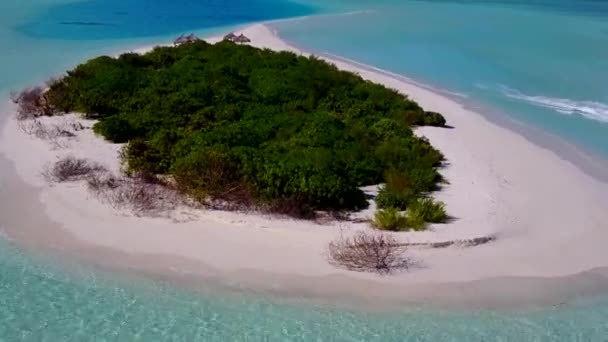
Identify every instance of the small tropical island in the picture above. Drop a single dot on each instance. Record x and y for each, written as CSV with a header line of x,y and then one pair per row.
x,y
234,127
278,172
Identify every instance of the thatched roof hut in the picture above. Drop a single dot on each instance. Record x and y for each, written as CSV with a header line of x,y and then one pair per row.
x,y
241,39
230,36
191,38
180,40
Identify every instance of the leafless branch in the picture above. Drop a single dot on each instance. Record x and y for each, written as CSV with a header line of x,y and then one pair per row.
x,y
32,103
70,169
53,133
368,252
137,194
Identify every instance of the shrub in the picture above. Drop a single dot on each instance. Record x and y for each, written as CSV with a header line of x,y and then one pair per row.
x,y
147,177
414,220
100,182
71,169
396,193
392,199
139,156
207,174
53,134
115,129
58,94
390,219
32,103
365,252
293,208
139,194
419,212
140,197
428,210
423,181
396,180
433,119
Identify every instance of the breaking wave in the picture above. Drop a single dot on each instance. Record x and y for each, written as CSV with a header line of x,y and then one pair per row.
x,y
589,109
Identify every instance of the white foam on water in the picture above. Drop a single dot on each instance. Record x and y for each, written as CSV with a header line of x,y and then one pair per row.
x,y
589,109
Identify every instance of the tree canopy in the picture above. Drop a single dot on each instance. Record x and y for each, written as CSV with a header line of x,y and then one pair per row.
x,y
237,123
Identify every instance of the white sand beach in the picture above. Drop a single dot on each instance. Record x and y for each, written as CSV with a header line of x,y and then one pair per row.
x,y
548,217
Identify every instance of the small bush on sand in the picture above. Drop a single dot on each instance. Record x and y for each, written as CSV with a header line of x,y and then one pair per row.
x,y
70,169
100,182
428,210
414,221
368,252
139,194
390,219
55,135
396,193
32,103
388,198
433,119
140,197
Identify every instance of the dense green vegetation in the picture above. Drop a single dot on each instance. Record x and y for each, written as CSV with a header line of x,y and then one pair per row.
x,y
393,219
390,219
427,210
400,194
253,126
420,211
401,207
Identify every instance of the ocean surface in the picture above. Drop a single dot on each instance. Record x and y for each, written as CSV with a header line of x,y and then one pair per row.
x,y
541,62
41,301
544,63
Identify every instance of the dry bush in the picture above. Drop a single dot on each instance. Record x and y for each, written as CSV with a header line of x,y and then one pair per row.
x,y
70,169
101,182
53,133
137,194
32,102
234,196
369,252
142,194
39,130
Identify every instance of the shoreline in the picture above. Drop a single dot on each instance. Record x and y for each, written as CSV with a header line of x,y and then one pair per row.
x,y
590,163
479,187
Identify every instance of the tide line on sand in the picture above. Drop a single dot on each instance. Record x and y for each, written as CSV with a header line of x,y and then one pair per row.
x,y
546,217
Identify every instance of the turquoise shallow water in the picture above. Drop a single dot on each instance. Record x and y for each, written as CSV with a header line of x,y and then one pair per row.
x,y
544,63
41,300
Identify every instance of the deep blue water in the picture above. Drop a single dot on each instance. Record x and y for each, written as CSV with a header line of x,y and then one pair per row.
x,y
543,62
116,19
